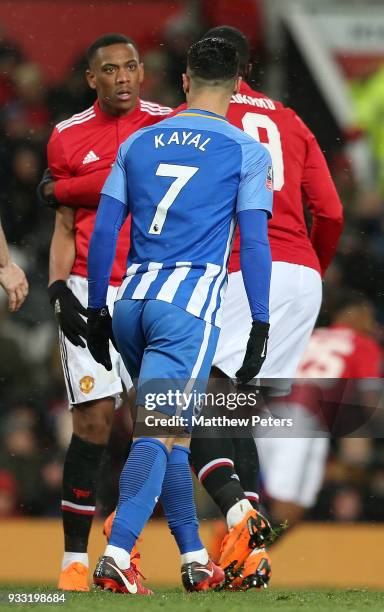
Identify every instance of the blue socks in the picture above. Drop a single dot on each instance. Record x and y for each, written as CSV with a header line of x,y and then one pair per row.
x,y
178,501
140,487
148,473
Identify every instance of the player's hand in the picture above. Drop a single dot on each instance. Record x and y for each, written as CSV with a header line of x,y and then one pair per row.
x,y
46,190
256,352
15,284
68,311
99,333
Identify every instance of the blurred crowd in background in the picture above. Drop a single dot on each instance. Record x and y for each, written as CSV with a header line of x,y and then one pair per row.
x,y
34,422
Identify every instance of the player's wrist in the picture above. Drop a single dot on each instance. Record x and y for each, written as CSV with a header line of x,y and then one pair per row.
x,y
56,289
260,328
46,190
5,266
98,313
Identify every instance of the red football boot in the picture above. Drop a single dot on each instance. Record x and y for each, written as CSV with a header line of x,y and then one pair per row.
x,y
198,577
109,577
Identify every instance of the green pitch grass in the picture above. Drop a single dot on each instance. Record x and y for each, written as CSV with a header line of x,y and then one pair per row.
x,y
175,600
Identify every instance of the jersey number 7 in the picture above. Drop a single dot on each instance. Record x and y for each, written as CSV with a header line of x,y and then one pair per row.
x,y
182,175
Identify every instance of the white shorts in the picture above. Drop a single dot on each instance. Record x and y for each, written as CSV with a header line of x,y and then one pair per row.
x,y
85,379
292,468
295,300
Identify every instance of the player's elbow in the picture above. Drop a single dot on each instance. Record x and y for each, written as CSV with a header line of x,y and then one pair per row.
x,y
333,215
100,233
336,217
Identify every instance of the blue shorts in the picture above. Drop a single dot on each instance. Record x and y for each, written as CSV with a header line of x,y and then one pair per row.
x,y
167,351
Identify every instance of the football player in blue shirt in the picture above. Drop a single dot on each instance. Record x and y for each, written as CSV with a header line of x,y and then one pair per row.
x,y
186,182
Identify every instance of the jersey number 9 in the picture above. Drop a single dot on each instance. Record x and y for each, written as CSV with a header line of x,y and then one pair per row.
x,y
252,122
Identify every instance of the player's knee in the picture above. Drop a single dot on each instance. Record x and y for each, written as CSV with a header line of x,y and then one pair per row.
x,y
92,421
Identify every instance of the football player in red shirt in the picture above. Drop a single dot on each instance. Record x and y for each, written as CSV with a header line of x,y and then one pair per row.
x,y
345,362
228,467
81,151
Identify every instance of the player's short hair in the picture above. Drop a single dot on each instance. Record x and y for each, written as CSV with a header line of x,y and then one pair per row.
x,y
237,38
105,41
213,61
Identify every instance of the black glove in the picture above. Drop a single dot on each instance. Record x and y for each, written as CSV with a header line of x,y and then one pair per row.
x,y
68,309
99,333
46,178
256,352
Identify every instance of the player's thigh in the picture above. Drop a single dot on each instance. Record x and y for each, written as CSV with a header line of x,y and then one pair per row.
x,y
178,354
295,300
85,379
293,468
128,333
120,365
236,325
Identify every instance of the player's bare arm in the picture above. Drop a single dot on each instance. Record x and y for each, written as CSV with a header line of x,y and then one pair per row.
x,y
12,278
62,251
69,312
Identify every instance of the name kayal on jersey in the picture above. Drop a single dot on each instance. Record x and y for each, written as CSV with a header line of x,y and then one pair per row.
x,y
181,138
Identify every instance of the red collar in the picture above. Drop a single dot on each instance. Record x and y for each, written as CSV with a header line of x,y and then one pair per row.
x,y
248,91
107,118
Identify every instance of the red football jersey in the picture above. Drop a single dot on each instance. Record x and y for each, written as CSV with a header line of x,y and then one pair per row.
x,y
81,151
301,176
340,352
334,356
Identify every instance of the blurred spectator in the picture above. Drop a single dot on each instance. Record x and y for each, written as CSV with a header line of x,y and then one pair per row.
x,y
31,94
155,63
18,205
179,34
72,95
10,58
347,505
8,495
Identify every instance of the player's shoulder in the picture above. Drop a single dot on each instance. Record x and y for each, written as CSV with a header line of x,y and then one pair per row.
x,y
255,99
154,109
136,136
76,121
251,149
367,343
247,143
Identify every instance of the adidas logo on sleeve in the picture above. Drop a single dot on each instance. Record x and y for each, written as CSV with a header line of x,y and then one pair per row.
x,y
90,157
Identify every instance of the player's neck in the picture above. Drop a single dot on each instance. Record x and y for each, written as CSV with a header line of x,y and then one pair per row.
x,y
115,112
210,103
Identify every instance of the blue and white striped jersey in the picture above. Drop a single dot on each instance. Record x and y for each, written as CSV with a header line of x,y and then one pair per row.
x,y
183,181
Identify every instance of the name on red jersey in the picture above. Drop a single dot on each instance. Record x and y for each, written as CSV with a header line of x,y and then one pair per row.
x,y
259,102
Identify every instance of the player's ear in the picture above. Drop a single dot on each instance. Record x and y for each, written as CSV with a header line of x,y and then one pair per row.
x,y
186,82
141,72
91,78
248,70
238,84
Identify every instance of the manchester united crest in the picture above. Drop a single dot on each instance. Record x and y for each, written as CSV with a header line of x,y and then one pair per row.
x,y
86,384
